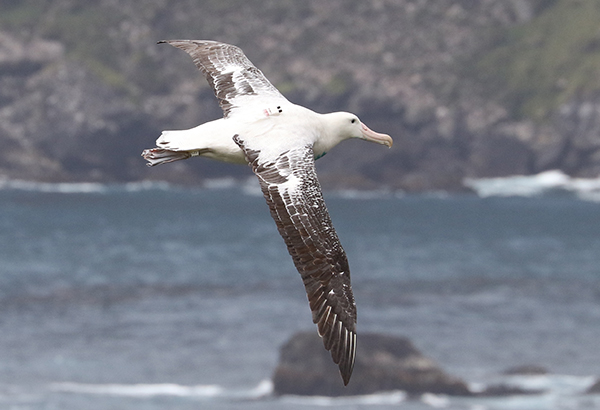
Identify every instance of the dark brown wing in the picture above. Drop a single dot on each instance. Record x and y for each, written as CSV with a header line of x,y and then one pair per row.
x,y
231,75
293,193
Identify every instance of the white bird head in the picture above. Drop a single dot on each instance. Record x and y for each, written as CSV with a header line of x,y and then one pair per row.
x,y
344,125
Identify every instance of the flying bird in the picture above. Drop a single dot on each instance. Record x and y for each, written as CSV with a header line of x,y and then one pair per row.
x,y
280,141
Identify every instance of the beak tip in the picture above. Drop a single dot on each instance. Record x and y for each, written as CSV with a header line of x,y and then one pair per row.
x,y
389,142
373,136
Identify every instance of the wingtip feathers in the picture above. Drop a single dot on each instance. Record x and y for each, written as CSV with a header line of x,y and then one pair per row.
x,y
339,341
347,366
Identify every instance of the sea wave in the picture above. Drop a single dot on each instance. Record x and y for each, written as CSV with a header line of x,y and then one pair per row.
x,y
383,398
553,392
555,383
544,183
81,187
249,186
263,389
358,194
60,187
221,183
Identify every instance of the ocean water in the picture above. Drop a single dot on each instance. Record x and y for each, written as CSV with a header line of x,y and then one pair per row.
x,y
149,296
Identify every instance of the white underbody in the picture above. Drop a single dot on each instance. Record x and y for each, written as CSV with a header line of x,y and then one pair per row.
x,y
216,136
214,139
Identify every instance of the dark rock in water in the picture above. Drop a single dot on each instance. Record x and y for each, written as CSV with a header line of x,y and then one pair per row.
x,y
383,363
527,369
595,388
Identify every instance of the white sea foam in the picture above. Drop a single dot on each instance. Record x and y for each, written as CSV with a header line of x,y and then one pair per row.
x,y
221,183
146,186
81,187
264,388
435,400
61,187
362,194
139,390
251,187
547,182
557,392
384,398
555,383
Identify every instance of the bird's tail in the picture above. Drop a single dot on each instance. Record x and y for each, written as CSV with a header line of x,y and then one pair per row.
x,y
157,156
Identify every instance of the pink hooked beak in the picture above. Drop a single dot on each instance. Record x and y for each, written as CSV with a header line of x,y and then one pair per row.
x,y
370,135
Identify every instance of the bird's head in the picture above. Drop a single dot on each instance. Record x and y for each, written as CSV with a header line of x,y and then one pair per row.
x,y
345,125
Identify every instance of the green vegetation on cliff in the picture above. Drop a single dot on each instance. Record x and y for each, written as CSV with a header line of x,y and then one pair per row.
x,y
543,63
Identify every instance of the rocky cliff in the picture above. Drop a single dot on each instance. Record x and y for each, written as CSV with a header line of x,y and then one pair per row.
x,y
466,88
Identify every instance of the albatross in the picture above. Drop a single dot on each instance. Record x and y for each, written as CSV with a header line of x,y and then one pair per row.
x,y
280,141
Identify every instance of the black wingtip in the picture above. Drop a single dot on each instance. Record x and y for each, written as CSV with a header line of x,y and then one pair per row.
x,y
161,41
347,366
346,372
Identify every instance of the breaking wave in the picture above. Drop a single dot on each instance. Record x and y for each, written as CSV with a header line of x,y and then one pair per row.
x,y
263,389
545,183
249,186
384,398
548,183
552,392
81,187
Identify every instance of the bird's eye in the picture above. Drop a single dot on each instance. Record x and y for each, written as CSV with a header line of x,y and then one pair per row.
x,y
353,120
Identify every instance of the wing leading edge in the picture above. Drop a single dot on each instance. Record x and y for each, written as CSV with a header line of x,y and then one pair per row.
x,y
233,78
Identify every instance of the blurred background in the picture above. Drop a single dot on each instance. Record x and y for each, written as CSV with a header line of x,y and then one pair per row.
x,y
467,88
475,236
